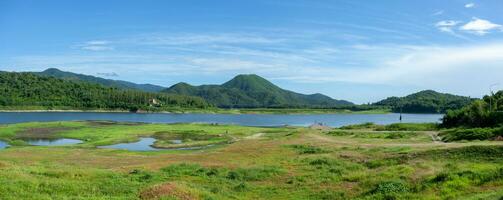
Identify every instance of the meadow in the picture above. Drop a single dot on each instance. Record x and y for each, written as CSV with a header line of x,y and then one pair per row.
x,y
366,161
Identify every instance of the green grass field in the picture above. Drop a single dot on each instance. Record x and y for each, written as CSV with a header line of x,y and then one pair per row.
x,y
356,162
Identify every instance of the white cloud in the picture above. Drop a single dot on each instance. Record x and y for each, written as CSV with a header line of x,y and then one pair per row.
x,y
440,12
97,42
469,5
447,25
480,26
96,48
96,45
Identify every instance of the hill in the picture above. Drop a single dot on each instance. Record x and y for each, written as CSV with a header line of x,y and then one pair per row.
x,y
53,72
252,91
427,101
27,90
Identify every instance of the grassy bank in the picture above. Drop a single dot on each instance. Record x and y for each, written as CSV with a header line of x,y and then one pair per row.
x,y
358,162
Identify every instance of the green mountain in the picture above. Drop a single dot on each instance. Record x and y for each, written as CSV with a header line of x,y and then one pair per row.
x,y
30,91
53,72
427,101
252,91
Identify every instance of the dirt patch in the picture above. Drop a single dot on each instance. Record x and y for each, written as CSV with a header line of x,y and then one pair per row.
x,y
165,190
320,126
255,136
41,133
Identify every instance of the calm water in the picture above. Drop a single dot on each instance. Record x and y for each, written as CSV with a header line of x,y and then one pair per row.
x,y
56,142
145,144
3,145
334,120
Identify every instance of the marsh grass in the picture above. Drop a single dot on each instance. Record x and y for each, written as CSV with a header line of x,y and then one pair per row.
x,y
285,163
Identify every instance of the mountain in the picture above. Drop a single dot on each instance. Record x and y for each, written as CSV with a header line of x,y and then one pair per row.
x,y
252,91
27,90
426,101
53,72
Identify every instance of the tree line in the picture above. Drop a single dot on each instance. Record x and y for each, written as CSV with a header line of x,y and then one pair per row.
x,y
27,89
487,112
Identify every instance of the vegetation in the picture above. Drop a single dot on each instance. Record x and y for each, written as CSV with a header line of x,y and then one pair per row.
x,y
480,120
252,91
394,127
480,113
56,73
427,101
26,90
259,163
472,134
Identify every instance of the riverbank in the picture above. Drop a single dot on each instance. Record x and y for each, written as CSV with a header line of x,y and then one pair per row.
x,y
214,111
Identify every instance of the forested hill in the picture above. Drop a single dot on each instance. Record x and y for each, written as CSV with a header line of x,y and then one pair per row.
x,y
427,101
53,72
27,90
252,91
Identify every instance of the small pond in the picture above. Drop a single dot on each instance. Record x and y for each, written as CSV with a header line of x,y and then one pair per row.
x,y
53,142
3,145
146,144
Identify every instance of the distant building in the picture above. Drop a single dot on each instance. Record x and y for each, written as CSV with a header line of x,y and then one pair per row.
x,y
154,102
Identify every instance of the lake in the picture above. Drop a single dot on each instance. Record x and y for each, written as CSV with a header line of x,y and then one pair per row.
x,y
334,120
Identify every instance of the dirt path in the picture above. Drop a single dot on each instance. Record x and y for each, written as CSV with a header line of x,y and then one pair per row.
x,y
255,136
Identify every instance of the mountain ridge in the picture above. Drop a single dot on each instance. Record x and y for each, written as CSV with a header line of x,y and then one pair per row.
x,y
253,91
56,73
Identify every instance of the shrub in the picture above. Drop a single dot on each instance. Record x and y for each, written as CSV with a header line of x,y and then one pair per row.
x,y
390,189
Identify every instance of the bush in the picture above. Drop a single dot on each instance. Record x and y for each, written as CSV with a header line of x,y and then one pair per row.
x,y
390,189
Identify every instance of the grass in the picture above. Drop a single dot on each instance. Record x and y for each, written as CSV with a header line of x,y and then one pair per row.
x,y
360,162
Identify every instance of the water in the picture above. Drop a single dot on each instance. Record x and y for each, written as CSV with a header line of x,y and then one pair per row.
x,y
176,141
145,144
334,120
52,142
3,145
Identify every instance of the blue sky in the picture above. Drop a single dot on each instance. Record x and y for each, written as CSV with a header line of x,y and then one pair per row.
x,y
360,51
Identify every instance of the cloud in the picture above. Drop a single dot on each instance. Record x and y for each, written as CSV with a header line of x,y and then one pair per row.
x,y
440,12
480,26
198,39
447,25
469,5
96,45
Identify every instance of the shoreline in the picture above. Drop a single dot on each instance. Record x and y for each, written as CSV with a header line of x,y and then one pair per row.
x,y
216,111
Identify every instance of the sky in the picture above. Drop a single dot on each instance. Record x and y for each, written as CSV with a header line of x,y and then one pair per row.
x,y
357,50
